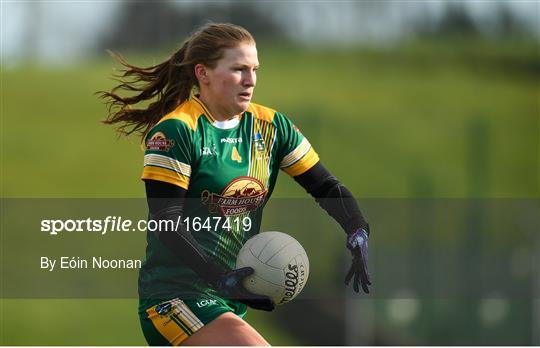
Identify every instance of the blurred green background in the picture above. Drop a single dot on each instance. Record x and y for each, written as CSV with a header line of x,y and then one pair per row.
x,y
448,114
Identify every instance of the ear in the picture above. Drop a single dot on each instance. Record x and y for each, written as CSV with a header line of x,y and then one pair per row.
x,y
201,73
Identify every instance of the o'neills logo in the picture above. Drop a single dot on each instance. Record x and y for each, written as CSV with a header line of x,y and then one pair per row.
x,y
159,142
243,194
295,278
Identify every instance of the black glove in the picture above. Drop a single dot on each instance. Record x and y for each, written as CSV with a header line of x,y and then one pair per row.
x,y
357,243
230,286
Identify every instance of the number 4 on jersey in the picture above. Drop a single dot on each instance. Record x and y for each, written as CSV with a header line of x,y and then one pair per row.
x,y
235,156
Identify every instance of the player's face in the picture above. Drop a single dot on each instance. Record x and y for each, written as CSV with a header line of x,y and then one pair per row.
x,y
229,86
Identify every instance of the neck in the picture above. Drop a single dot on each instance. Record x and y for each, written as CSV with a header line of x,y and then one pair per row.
x,y
216,114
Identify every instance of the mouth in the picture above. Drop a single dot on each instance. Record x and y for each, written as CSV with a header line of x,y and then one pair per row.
x,y
245,95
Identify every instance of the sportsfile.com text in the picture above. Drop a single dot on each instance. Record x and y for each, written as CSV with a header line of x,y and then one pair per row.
x,y
119,224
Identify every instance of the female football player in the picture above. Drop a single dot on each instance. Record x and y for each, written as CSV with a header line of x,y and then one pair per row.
x,y
212,156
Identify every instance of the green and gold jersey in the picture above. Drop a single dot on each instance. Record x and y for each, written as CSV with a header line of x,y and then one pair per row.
x,y
229,170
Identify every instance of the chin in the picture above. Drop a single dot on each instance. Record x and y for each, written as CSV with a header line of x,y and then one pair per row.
x,y
243,106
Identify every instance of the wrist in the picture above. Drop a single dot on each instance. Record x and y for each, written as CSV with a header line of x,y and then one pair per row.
x,y
358,229
357,238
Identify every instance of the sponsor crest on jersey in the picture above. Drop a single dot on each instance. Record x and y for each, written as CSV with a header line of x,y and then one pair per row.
x,y
242,195
159,142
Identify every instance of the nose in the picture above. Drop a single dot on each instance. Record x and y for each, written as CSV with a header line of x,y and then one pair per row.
x,y
250,79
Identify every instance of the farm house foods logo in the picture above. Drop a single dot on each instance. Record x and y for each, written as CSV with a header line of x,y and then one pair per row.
x,y
241,195
159,142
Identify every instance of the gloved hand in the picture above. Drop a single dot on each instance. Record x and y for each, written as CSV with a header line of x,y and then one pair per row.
x,y
357,243
230,286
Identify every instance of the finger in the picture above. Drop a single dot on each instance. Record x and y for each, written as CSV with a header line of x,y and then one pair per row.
x,y
248,295
364,276
365,284
244,294
356,282
263,303
368,279
363,264
364,255
354,271
349,274
243,272
265,307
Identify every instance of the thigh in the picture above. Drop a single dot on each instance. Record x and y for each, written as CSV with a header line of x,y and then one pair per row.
x,y
228,329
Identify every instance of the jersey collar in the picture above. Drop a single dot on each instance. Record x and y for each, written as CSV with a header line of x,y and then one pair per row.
x,y
206,112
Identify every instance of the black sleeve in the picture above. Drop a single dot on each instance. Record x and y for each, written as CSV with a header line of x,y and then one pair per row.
x,y
166,202
333,197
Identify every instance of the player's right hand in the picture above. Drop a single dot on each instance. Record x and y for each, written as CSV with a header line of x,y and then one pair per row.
x,y
357,243
230,286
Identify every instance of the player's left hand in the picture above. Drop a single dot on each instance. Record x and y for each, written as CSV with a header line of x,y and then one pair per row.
x,y
229,285
357,243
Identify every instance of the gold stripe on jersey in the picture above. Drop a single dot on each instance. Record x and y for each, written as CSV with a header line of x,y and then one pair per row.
x,y
176,325
204,108
167,163
304,164
260,159
262,124
295,155
262,112
161,174
187,112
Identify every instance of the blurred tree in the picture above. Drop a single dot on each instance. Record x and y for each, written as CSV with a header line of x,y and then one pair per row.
x,y
144,25
457,21
507,23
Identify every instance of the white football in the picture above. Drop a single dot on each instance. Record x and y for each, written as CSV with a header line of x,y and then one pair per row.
x,y
281,266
